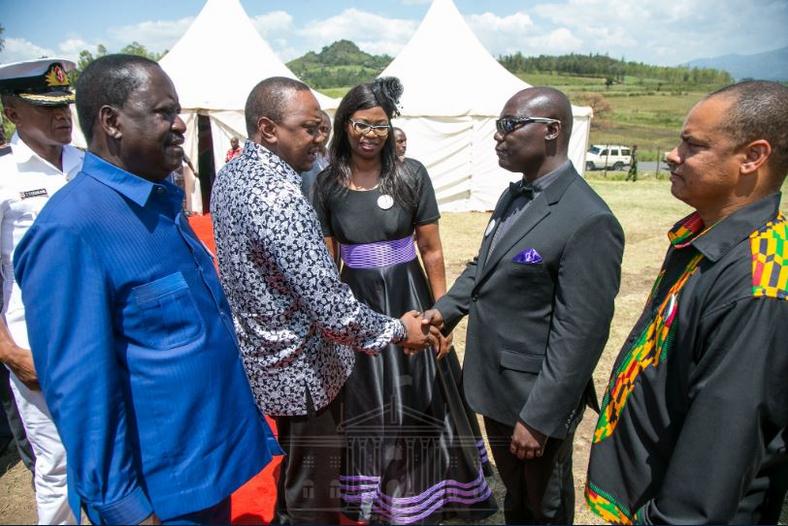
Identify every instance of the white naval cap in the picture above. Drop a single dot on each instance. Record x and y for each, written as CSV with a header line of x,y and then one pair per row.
x,y
41,81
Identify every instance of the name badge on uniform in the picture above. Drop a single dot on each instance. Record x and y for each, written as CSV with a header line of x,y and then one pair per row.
x,y
490,227
41,192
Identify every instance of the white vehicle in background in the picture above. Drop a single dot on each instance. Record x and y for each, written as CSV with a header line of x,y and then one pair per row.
x,y
612,156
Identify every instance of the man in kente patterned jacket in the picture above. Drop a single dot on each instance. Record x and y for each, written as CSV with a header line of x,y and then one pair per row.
x,y
693,424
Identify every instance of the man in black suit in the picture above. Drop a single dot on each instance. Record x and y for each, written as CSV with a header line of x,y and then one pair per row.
x,y
540,300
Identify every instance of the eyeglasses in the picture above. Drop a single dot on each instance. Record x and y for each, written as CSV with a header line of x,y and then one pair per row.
x,y
507,125
364,128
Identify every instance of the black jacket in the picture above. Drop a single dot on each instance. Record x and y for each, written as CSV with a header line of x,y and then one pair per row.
x,y
536,330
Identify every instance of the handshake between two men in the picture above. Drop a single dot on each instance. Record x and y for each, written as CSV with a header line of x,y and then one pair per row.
x,y
424,331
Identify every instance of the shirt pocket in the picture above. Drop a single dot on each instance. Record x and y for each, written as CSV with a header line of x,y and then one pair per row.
x,y
165,313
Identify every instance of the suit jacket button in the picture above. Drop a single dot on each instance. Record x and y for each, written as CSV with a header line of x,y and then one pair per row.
x,y
475,297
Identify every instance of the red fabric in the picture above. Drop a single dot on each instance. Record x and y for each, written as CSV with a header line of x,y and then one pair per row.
x,y
232,153
252,503
203,227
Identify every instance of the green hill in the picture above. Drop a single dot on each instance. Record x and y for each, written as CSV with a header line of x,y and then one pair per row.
x,y
340,64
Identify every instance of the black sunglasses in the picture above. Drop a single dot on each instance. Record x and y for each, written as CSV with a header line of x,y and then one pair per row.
x,y
506,125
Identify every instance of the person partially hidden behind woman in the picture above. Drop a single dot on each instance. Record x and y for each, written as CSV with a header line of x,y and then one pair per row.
x,y
412,453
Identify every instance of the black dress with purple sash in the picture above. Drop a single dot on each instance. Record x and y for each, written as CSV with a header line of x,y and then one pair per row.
x,y
414,451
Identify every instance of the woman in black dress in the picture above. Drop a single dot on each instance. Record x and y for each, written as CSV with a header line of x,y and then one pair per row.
x,y
414,453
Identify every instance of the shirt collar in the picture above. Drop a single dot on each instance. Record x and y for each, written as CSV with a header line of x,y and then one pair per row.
x,y
715,241
70,158
541,183
275,165
125,183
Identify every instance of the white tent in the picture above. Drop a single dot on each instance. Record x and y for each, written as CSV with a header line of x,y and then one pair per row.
x,y
214,66
454,91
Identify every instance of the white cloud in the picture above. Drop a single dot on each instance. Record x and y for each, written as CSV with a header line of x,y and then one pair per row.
x,y
558,41
155,35
373,33
277,28
71,47
17,49
654,31
518,22
501,35
273,23
670,32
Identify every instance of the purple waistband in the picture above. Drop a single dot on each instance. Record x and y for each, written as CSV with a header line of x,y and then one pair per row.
x,y
379,254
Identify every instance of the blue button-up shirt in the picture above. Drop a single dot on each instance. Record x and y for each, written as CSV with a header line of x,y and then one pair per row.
x,y
134,345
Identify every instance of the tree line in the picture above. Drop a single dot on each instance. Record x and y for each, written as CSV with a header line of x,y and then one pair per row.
x,y
135,48
611,69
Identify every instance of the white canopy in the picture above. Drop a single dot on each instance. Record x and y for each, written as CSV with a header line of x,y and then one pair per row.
x,y
214,66
454,91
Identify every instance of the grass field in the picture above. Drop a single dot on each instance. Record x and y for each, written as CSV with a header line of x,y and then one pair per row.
x,y
645,209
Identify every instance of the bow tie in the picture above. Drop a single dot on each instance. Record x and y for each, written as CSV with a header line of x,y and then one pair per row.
x,y
522,188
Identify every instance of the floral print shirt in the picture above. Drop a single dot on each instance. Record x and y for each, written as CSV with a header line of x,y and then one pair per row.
x,y
297,323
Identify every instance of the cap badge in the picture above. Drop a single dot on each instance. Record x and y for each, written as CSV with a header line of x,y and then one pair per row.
x,y
56,76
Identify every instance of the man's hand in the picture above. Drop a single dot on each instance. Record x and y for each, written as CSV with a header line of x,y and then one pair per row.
x,y
418,333
434,318
441,344
527,443
20,362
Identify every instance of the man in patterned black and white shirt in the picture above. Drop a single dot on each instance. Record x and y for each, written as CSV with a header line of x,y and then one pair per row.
x,y
298,325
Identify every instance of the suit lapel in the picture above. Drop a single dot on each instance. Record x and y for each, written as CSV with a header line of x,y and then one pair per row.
x,y
536,212
503,204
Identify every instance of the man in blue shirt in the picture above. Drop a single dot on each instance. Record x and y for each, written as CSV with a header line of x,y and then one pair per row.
x,y
131,333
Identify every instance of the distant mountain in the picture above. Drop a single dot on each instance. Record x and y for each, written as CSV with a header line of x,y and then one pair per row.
x,y
340,64
770,65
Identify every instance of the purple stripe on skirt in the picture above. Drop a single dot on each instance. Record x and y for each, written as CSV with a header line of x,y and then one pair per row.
x,y
482,450
406,510
399,518
379,254
440,485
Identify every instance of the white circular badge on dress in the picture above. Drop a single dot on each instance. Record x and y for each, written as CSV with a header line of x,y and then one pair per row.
x,y
490,227
385,202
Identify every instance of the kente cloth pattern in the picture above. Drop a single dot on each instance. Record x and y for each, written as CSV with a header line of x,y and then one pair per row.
x,y
769,247
606,506
705,355
651,347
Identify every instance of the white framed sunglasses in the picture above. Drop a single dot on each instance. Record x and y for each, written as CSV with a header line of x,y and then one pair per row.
x,y
365,128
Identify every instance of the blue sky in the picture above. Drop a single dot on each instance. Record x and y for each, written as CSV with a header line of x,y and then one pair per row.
x,y
666,32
